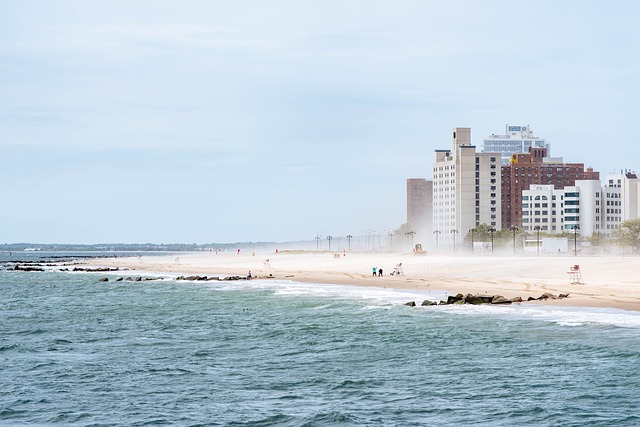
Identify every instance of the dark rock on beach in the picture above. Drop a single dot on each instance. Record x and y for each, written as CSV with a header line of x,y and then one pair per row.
x,y
411,304
454,299
499,299
30,268
473,299
94,270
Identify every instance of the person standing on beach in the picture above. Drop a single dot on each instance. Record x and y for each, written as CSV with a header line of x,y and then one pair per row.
x,y
375,269
379,272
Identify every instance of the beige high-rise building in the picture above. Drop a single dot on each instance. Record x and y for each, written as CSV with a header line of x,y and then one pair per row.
x,y
466,190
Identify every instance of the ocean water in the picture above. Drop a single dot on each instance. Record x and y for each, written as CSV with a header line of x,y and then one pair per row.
x,y
74,351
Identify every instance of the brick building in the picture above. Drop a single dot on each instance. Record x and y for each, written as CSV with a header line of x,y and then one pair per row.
x,y
535,168
420,208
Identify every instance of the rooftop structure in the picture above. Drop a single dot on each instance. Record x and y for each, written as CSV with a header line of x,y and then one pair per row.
x,y
517,139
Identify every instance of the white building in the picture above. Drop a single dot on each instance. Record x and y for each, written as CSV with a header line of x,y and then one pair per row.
x,y
466,189
587,206
517,139
542,209
623,198
582,207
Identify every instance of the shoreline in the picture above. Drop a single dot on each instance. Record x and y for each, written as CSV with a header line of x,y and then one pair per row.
x,y
609,281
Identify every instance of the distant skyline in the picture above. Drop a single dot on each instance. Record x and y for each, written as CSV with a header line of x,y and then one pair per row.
x,y
200,121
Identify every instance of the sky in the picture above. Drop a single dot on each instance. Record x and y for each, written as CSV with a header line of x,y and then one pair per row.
x,y
205,121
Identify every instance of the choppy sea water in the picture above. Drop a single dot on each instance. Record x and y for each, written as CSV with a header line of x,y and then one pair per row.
x,y
251,353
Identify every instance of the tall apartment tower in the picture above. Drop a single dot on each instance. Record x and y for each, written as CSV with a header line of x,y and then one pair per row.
x,y
466,189
420,208
517,139
535,168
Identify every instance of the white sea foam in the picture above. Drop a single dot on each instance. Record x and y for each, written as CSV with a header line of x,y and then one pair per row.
x,y
561,315
383,298
376,298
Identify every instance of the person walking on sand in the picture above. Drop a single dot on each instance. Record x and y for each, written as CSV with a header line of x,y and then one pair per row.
x,y
379,272
375,269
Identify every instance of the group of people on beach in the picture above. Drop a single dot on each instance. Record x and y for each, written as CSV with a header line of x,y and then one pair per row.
x,y
396,271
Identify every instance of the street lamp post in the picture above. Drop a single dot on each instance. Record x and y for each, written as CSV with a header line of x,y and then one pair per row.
x,y
318,234
436,232
472,231
349,237
371,239
575,239
537,228
492,230
410,238
454,232
329,239
514,229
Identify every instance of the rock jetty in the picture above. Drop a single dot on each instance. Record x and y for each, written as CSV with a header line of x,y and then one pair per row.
x,y
479,299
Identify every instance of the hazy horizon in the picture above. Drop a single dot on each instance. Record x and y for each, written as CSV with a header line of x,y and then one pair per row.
x,y
231,121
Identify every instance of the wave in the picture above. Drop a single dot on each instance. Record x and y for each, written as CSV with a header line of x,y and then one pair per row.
x,y
384,298
563,316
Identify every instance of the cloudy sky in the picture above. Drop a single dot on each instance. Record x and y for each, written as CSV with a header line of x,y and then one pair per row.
x,y
223,121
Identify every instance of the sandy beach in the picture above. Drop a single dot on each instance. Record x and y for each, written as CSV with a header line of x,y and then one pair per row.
x,y
608,281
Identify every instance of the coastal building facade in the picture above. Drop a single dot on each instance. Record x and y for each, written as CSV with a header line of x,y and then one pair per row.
x,y
622,200
466,189
517,139
535,168
556,211
420,208
588,207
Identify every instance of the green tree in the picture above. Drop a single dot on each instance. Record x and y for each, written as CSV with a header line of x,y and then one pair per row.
x,y
482,234
400,231
629,233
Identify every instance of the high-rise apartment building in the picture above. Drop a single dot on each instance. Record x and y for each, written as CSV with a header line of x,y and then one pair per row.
x,y
535,168
466,189
420,208
517,139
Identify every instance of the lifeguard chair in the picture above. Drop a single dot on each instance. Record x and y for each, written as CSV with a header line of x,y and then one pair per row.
x,y
575,276
398,270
